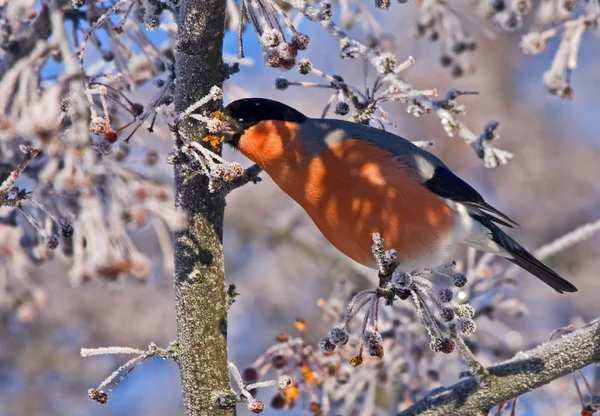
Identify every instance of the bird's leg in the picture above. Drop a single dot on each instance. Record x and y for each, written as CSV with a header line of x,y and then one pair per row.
x,y
442,318
387,260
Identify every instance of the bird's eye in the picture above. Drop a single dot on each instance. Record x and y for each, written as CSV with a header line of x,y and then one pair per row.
x,y
240,119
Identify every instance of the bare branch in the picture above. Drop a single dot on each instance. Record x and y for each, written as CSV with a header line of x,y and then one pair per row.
x,y
250,175
9,182
100,394
526,371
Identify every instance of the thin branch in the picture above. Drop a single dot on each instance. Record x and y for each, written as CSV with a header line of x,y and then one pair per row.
x,y
100,394
526,371
29,153
250,175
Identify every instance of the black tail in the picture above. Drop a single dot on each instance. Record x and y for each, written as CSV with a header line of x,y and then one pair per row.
x,y
524,259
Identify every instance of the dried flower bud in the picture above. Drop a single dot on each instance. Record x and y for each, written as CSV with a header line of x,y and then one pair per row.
x,y
151,158
288,64
300,41
433,375
376,350
498,5
98,396
281,83
436,345
342,108
448,345
445,60
278,401
272,58
373,341
287,51
314,408
447,314
457,71
338,336
459,47
151,21
67,230
51,242
326,345
111,136
304,67
459,279
279,361
137,109
256,406
270,39
285,382
532,43
445,295
465,311
402,280
250,375
467,326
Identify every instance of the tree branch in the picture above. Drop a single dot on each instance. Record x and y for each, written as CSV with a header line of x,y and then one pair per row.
x,y
525,372
200,291
250,175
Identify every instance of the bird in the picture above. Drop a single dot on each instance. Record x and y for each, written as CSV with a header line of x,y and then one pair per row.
x,y
354,180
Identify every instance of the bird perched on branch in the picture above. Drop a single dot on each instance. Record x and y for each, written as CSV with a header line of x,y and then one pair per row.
x,y
354,180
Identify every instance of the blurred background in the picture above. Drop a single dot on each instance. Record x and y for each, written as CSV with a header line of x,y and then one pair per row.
x,y
280,262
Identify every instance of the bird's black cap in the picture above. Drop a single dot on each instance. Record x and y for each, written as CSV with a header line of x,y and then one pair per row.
x,y
248,112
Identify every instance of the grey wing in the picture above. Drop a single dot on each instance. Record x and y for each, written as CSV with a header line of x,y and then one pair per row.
x,y
433,172
447,185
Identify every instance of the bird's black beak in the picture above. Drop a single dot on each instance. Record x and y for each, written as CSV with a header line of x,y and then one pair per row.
x,y
230,129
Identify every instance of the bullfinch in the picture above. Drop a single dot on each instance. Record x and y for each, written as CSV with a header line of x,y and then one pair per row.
x,y
354,180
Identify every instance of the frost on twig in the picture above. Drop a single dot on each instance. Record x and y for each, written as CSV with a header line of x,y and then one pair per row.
x,y
524,372
557,79
10,195
100,393
387,87
205,159
265,16
327,380
76,129
243,392
433,305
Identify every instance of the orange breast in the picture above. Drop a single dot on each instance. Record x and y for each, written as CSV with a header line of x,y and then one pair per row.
x,y
353,190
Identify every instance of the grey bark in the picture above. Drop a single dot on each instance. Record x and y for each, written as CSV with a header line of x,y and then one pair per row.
x,y
200,290
526,371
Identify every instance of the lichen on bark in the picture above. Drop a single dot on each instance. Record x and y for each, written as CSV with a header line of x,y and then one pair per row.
x,y
201,294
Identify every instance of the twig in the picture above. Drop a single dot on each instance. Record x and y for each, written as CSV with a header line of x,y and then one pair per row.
x,y
100,394
526,371
250,175
9,182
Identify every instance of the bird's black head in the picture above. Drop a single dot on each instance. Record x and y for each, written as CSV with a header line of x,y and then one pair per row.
x,y
247,112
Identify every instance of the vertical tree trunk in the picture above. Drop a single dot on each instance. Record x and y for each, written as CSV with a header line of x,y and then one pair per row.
x,y
200,290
